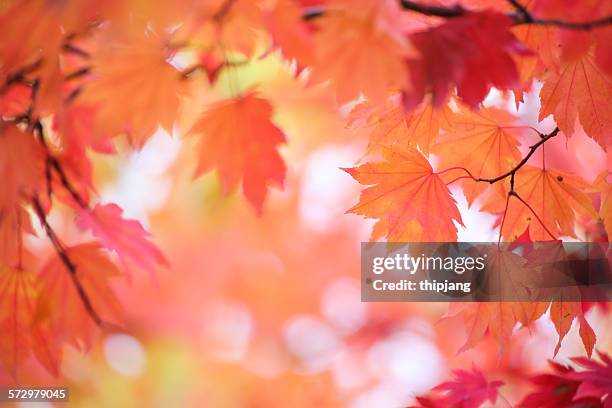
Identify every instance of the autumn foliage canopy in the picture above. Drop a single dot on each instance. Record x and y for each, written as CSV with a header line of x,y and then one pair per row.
x,y
445,109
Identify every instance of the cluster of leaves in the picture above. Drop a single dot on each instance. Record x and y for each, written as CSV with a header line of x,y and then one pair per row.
x,y
564,387
76,75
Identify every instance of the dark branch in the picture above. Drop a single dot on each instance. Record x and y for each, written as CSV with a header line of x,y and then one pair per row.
x,y
523,16
312,13
20,76
532,150
512,175
70,48
70,266
78,73
437,11
519,17
54,164
583,25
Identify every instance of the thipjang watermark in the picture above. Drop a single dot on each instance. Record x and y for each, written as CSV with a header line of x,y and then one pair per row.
x,y
483,272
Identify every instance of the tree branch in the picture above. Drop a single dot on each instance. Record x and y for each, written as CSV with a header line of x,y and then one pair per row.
x,y
519,17
523,16
532,150
53,163
70,266
436,11
512,175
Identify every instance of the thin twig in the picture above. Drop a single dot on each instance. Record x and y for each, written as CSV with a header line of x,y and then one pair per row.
x,y
53,163
78,73
501,227
523,16
522,10
532,150
73,49
515,194
512,174
437,11
65,258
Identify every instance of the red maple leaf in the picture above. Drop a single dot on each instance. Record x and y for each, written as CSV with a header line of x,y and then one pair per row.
x,y
126,237
472,52
469,389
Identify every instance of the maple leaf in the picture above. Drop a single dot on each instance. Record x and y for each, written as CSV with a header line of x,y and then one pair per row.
x,y
13,222
605,209
542,41
555,390
563,314
21,166
473,52
134,88
240,140
360,46
576,42
468,389
75,128
20,336
60,305
498,319
21,44
555,197
124,236
419,127
289,32
556,265
597,375
223,24
411,202
484,142
580,90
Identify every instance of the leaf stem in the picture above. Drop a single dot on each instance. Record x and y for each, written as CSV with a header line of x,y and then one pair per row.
x,y
534,214
459,178
470,175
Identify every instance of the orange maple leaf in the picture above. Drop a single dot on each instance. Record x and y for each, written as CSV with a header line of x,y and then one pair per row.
x,y
498,319
289,31
135,89
411,202
13,222
60,305
20,336
544,44
580,90
360,46
554,196
552,260
222,25
419,127
240,140
563,314
124,236
605,210
21,165
484,142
